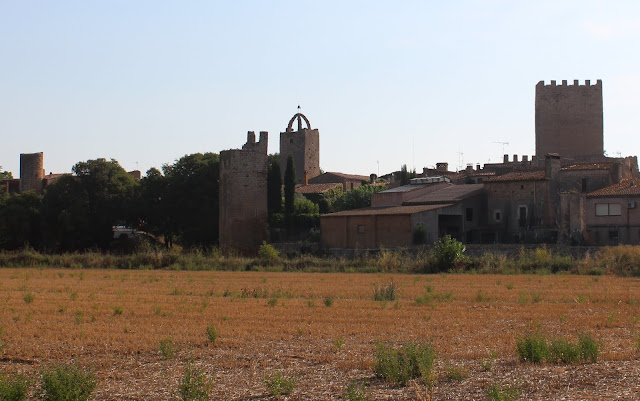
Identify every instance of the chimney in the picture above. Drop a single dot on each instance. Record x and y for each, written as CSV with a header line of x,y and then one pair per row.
x,y
505,159
477,167
552,166
515,158
525,158
373,178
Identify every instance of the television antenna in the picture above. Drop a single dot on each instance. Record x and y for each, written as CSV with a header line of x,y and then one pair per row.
x,y
503,145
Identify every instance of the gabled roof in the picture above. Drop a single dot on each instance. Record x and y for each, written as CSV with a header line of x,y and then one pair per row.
x,y
536,175
317,188
386,211
626,187
452,194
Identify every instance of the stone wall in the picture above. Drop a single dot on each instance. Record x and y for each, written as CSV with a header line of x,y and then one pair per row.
x,y
243,195
569,119
31,171
304,145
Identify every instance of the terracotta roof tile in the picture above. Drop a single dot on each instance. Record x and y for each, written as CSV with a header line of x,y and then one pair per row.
x,y
386,211
317,188
630,186
536,175
454,193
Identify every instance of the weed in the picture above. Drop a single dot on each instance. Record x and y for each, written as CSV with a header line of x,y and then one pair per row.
x,y
487,363
339,343
118,310
506,392
79,316
385,292
14,387
509,286
398,366
523,298
482,296
328,301
457,373
356,391
67,383
589,348
272,301
535,348
536,297
278,385
310,303
167,348
28,297
212,334
194,385
563,351
532,348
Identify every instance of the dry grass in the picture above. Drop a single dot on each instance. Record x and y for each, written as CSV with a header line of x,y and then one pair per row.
x,y
113,320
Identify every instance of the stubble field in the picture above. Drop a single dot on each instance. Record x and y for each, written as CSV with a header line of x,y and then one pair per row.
x,y
318,328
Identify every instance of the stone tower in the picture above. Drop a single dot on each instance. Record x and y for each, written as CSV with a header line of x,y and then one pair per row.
x,y
569,120
31,171
243,195
304,145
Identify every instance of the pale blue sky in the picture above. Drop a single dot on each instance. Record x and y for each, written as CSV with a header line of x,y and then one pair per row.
x,y
415,82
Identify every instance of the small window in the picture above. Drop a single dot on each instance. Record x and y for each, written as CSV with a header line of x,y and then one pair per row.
x,y
469,214
615,209
613,237
497,215
291,140
522,216
584,185
608,209
522,186
360,228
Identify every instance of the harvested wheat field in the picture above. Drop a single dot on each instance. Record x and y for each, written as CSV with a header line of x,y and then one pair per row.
x,y
138,330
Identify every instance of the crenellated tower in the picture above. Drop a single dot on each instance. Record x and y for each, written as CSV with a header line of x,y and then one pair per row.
x,y
304,145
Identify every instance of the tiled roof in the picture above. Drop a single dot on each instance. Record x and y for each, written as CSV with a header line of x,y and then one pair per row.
x,y
536,175
386,211
317,188
629,186
413,187
454,193
588,166
350,176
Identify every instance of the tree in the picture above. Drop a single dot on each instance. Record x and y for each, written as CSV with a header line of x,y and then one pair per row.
x,y
356,198
274,185
5,175
20,220
289,186
65,211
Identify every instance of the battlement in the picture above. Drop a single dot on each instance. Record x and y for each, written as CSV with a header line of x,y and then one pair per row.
x,y
256,146
576,82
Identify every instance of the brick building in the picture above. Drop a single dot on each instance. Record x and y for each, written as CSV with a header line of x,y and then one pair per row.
x,y
243,195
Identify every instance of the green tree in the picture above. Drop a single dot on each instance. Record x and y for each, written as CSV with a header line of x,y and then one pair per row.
x,y
191,199
155,211
20,220
5,175
274,185
357,198
289,186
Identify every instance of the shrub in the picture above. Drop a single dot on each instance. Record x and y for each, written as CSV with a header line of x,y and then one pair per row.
x,y
278,385
167,348
118,310
447,251
589,348
328,301
13,387
503,393
563,351
212,334
532,348
398,366
456,373
67,383
384,292
28,297
194,385
268,254
356,391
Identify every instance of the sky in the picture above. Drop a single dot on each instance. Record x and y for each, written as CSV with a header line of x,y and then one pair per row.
x,y
386,83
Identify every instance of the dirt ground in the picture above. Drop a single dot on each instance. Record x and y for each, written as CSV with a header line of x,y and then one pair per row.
x,y
318,328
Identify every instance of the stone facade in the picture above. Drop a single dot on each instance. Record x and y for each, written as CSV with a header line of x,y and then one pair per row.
x,y
31,172
243,195
569,120
304,145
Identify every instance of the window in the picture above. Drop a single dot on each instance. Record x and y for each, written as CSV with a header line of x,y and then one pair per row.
x,y
497,215
608,209
360,228
291,140
522,216
522,186
469,214
584,185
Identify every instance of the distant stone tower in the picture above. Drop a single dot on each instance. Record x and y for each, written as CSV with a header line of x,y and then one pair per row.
x,y
569,120
304,145
31,172
243,195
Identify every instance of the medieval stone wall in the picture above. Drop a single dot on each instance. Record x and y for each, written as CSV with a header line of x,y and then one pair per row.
x,y
304,145
243,195
569,119
31,171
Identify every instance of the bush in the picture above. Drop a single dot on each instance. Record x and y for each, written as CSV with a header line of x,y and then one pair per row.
x,y
212,334
67,383
13,387
278,385
589,348
532,348
398,366
194,385
563,351
457,373
384,292
447,251
268,254
503,393
356,391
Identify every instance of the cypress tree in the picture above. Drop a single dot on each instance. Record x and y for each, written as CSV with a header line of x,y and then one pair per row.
x,y
274,186
289,186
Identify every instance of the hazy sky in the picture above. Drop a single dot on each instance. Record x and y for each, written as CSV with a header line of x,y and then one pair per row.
x,y
415,82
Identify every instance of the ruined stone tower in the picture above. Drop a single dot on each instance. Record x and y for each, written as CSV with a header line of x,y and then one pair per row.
x,y
243,195
569,120
304,145
31,171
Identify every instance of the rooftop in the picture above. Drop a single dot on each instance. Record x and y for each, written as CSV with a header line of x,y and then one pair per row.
x,y
626,187
536,175
452,194
386,211
317,188
410,187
